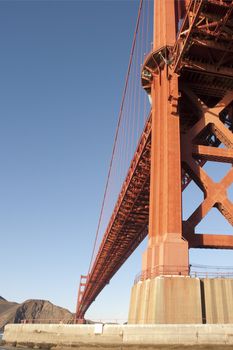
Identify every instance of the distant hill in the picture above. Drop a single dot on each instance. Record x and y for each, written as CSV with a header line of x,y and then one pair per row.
x,y
32,310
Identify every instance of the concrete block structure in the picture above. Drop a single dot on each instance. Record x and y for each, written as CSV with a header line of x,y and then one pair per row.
x,y
218,300
182,300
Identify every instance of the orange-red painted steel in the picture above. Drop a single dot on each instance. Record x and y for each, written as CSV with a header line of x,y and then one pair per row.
x,y
189,76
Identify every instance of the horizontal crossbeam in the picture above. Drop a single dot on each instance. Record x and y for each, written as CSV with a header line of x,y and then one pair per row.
x,y
213,154
210,241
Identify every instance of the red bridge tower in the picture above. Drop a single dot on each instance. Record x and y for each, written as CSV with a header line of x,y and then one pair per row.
x,y
190,80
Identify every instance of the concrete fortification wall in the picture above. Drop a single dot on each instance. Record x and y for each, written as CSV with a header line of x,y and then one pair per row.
x,y
180,299
117,336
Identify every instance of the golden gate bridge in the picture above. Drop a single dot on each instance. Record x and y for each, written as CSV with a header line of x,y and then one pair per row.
x,y
182,56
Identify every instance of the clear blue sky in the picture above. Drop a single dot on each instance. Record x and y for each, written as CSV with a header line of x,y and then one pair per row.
x,y
62,71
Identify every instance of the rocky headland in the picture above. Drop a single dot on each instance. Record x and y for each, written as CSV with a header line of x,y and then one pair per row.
x,y
39,311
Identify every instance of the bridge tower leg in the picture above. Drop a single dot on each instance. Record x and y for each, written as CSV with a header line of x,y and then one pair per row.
x,y
167,252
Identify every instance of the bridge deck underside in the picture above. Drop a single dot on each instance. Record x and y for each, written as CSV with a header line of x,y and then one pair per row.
x,y
128,224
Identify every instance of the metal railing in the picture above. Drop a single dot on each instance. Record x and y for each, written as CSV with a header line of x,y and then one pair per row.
x,y
161,270
193,271
208,271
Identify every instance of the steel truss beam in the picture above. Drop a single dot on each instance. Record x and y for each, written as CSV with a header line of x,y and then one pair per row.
x,y
215,193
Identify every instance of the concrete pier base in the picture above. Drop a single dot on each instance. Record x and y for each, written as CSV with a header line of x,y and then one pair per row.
x,y
181,299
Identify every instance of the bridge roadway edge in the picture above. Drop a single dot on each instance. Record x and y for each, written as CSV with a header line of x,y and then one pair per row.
x,y
106,336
